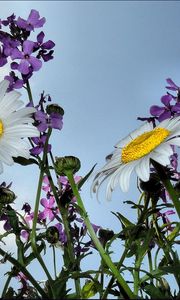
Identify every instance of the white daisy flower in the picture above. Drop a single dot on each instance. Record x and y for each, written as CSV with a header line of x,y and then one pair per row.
x,y
134,153
14,126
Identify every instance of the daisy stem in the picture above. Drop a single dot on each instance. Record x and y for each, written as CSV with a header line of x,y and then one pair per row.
x,y
96,241
168,185
70,250
36,210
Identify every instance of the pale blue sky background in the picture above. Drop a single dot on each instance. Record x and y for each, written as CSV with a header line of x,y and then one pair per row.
x,y
111,62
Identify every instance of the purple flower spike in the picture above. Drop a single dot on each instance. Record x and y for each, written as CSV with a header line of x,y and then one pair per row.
x,y
40,142
26,59
48,205
33,21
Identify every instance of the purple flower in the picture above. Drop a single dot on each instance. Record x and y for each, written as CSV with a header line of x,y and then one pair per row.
x,y
162,112
49,210
54,120
165,218
62,235
6,225
14,82
46,45
33,21
40,142
47,186
9,45
27,60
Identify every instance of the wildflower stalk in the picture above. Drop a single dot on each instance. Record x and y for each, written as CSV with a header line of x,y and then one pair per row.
x,y
96,241
28,88
54,261
35,217
168,185
105,294
63,212
6,285
19,267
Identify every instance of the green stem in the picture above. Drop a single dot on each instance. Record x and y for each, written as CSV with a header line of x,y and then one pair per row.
x,y
29,91
6,285
24,271
54,261
104,296
150,264
136,276
35,217
96,241
168,185
64,215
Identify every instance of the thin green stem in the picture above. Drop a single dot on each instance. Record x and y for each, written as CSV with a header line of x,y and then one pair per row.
x,y
21,268
96,241
6,285
150,264
104,296
35,217
54,261
64,215
28,88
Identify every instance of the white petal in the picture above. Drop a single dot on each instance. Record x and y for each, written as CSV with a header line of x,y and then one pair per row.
x,y
142,168
160,158
3,88
124,177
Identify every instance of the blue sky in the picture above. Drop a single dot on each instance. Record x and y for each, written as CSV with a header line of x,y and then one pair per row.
x,y
110,65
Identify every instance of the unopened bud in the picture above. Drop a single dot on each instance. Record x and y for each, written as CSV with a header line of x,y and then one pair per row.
x,y
67,163
52,235
164,285
105,235
6,195
54,108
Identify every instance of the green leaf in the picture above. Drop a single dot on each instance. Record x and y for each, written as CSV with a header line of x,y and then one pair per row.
x,y
90,289
83,180
24,161
145,246
122,219
154,274
174,233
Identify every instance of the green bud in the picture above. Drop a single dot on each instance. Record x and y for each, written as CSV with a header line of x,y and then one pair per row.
x,y
164,285
67,163
6,196
54,108
52,235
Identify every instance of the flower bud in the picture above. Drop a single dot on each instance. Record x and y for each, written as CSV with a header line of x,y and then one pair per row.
x,y
54,108
105,235
6,196
52,235
67,163
164,285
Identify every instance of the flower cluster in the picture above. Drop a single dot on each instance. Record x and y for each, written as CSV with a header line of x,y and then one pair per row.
x,y
24,55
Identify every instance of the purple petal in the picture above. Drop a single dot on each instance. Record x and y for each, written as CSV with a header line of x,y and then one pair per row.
x,y
44,202
40,116
56,121
166,99
18,84
33,16
40,37
3,61
40,23
42,127
36,150
176,108
24,66
14,66
28,47
172,86
24,234
48,45
165,115
35,63
16,54
51,215
21,23
51,202
156,110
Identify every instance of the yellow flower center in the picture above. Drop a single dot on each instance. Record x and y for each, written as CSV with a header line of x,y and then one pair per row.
x,y
1,128
143,144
